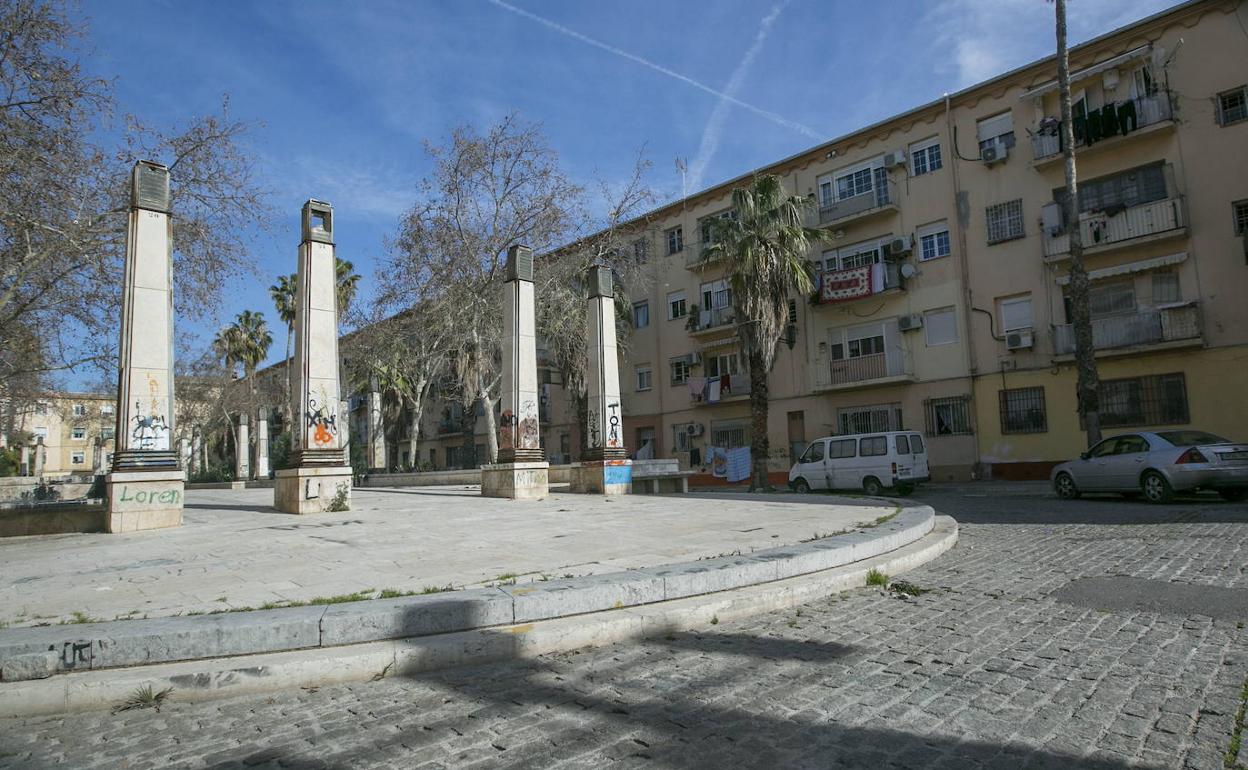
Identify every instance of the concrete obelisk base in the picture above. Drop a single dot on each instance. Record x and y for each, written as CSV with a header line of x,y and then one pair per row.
x,y
602,477
312,489
144,499
518,481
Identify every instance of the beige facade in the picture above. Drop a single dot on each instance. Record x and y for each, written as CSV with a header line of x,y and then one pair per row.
x,y
71,425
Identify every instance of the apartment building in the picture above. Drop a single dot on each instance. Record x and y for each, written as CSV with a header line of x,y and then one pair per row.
x,y
75,428
941,301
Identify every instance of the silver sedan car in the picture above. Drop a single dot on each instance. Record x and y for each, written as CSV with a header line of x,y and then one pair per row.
x,y
1156,465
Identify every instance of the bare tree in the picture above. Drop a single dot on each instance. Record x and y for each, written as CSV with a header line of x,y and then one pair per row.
x,y
487,191
1088,378
63,199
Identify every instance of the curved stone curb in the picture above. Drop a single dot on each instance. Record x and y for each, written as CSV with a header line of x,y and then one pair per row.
x,y
35,653
254,674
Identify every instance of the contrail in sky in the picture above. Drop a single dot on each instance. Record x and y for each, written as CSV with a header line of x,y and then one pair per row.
x,y
773,117
715,124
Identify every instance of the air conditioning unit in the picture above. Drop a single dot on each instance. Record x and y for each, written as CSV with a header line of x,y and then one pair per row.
x,y
694,429
694,359
994,153
897,248
894,159
910,322
1018,340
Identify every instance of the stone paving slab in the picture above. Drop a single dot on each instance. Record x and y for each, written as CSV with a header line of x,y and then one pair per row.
x,y
988,670
235,551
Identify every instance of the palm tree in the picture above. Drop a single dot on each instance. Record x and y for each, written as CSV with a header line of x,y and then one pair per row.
x,y
285,295
765,248
246,342
348,283
1087,376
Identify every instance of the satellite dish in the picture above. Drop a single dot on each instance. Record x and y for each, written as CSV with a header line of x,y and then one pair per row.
x,y
908,270
1159,56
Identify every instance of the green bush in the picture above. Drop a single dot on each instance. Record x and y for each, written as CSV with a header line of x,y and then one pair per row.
x,y
279,452
214,473
10,461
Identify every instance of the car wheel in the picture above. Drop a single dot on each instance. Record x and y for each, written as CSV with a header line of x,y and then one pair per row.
x,y
872,486
905,489
801,487
1155,487
1233,495
1064,486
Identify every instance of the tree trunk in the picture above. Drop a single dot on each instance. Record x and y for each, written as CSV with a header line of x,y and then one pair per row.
x,y
414,413
491,429
582,424
760,446
1088,381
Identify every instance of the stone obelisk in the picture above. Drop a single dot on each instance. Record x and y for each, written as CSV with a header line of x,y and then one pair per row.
x,y
261,470
376,433
522,471
321,478
242,450
605,468
144,489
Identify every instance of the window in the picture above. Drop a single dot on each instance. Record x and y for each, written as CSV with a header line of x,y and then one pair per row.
x,y
716,294
850,183
940,326
80,410
41,408
78,433
641,315
1016,314
1111,194
997,130
680,437
856,255
1111,299
1159,399
947,416
680,370
106,409
934,241
641,250
1022,411
106,434
644,378
1142,83
1241,217
676,307
1166,287
925,157
916,443
874,446
729,434
1005,221
792,311
839,449
903,444
1233,105
814,453
869,419
724,363
675,240
41,431
704,224
78,458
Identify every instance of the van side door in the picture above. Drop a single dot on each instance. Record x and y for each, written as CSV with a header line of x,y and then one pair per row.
x,y
841,457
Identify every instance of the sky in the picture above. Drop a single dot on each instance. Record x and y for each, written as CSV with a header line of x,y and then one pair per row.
x,y
345,94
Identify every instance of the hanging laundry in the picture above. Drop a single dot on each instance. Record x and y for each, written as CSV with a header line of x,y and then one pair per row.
x,y
717,458
1094,127
1128,120
714,390
738,464
697,388
1109,121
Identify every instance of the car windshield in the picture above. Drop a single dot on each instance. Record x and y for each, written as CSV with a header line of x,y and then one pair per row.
x,y
1191,437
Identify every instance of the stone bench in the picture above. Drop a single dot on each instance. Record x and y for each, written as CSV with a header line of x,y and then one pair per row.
x,y
656,476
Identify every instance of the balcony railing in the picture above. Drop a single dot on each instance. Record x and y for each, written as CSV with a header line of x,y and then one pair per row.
x,y
731,388
711,319
849,371
1147,110
882,196
858,282
1148,327
1102,229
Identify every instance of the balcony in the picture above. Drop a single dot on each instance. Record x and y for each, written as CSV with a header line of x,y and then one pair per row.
x,y
1152,113
1105,232
734,387
881,199
838,286
717,319
1175,326
875,369
696,257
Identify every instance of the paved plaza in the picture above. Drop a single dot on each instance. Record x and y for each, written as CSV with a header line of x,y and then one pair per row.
x,y
1001,664
235,551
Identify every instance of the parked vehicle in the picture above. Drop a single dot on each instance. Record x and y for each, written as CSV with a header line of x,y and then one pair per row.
x,y
868,461
1157,464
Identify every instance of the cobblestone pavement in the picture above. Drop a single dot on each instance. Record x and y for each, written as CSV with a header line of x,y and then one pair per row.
x,y
985,670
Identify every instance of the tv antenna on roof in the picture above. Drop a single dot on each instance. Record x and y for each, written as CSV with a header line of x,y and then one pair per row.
x,y
682,166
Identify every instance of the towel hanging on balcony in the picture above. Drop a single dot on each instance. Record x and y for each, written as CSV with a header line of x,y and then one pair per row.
x,y
713,390
697,388
1127,115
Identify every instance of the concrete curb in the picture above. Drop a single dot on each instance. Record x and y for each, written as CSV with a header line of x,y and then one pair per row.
x,y
211,679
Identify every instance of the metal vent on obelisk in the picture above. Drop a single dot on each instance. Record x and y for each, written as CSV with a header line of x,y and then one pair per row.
x,y
150,189
600,284
318,222
519,263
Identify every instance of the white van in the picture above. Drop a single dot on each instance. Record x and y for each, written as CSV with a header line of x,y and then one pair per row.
x,y
867,461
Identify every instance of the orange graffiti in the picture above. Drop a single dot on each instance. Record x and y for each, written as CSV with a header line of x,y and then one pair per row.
x,y
323,436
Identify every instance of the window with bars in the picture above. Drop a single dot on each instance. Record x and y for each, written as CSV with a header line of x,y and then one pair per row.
x,y
869,419
1241,217
1005,221
1233,105
1023,411
1133,187
1159,399
947,416
729,435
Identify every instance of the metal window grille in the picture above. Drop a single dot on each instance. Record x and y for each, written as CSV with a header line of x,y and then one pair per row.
x,y
1023,411
1159,399
729,436
869,419
1005,221
1241,217
947,416
1233,105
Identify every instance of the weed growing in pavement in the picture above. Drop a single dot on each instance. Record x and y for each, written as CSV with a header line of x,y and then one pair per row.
x,y
339,503
1237,732
144,698
876,578
76,617
714,620
907,588
437,589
